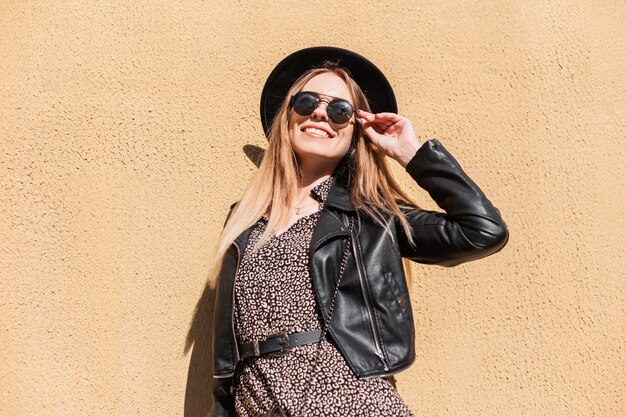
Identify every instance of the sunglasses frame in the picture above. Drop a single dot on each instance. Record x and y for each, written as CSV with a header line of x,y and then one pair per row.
x,y
318,98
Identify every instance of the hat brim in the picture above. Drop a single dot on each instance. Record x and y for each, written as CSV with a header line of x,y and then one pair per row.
x,y
372,81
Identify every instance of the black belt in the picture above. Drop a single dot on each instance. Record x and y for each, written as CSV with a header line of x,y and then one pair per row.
x,y
278,343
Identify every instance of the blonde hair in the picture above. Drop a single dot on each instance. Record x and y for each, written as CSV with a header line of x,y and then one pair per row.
x,y
373,191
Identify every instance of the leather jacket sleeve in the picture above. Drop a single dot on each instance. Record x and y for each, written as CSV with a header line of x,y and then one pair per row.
x,y
470,228
223,400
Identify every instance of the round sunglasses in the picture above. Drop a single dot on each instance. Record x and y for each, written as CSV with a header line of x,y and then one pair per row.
x,y
338,110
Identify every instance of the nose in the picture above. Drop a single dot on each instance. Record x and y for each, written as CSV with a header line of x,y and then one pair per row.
x,y
320,111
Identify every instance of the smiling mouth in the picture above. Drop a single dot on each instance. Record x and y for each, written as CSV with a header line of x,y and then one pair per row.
x,y
318,133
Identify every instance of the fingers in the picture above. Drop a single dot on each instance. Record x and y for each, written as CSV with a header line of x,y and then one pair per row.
x,y
374,133
373,121
379,126
370,130
384,116
381,121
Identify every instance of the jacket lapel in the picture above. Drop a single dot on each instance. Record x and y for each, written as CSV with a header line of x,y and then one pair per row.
x,y
242,240
331,224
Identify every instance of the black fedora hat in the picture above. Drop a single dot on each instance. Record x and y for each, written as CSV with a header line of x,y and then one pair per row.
x,y
371,80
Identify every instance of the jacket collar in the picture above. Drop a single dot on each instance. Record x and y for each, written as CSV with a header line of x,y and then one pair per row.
x,y
330,224
242,240
339,194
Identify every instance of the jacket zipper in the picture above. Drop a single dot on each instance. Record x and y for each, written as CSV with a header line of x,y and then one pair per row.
x,y
379,351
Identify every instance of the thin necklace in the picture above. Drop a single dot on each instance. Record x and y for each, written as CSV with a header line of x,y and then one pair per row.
x,y
298,209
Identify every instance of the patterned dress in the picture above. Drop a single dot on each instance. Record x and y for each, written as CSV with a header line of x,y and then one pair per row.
x,y
273,292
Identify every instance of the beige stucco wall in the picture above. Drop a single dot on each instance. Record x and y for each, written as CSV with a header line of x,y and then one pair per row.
x,y
122,135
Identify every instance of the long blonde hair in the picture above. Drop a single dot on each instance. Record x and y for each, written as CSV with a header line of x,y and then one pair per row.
x,y
373,191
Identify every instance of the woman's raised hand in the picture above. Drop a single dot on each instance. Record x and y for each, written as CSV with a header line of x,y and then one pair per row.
x,y
391,133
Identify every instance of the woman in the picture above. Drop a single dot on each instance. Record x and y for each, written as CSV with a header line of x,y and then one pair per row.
x,y
312,307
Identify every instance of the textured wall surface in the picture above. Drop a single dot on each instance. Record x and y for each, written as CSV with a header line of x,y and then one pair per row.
x,y
122,134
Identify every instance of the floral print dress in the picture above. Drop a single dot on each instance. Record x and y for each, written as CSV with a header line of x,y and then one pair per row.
x,y
273,292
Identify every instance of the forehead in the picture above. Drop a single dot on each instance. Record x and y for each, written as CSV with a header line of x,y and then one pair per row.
x,y
328,84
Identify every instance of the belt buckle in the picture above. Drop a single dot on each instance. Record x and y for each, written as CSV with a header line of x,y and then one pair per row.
x,y
255,348
284,343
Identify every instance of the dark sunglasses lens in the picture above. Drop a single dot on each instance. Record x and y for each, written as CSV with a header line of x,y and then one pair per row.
x,y
339,111
305,104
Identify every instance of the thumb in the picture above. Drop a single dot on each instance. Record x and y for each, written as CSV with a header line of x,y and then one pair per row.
x,y
369,131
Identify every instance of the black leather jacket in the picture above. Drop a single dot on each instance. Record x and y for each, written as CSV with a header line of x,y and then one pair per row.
x,y
372,323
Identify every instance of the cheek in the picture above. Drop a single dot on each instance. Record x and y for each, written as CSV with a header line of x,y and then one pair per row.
x,y
350,132
293,125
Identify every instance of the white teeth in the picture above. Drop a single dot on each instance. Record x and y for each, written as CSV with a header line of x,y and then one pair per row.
x,y
317,132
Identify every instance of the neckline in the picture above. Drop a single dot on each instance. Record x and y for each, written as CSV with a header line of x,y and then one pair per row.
x,y
279,235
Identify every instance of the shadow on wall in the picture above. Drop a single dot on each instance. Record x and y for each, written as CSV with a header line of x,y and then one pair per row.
x,y
254,154
198,400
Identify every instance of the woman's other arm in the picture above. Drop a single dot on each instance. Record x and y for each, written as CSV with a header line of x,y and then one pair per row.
x,y
471,227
